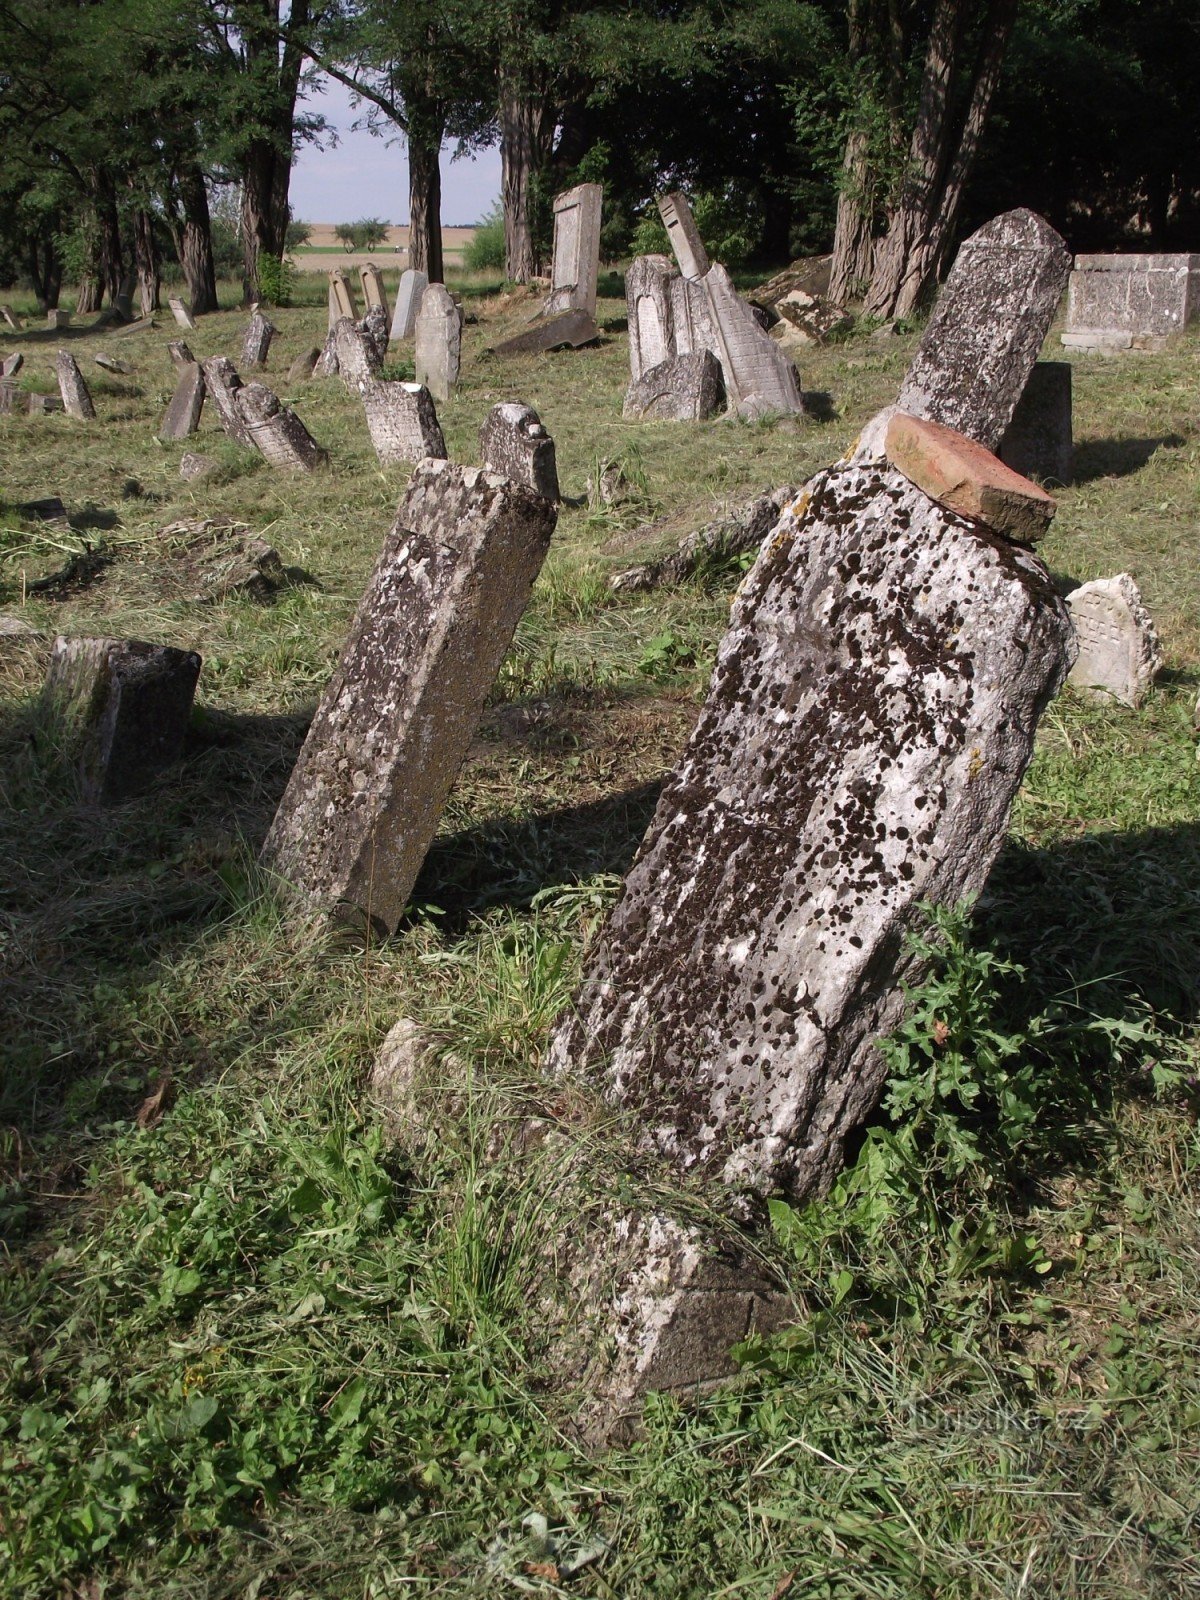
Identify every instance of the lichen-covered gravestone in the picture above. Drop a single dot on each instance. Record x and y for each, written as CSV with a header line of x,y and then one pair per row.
x,y
402,421
76,396
1118,302
514,443
276,431
355,355
1119,651
439,342
183,414
120,709
685,388
368,790
374,327
223,383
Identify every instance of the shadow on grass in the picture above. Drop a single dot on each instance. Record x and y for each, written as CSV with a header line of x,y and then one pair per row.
x,y
1117,458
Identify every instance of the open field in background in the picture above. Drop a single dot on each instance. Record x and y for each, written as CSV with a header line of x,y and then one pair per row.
x,y
257,1348
319,253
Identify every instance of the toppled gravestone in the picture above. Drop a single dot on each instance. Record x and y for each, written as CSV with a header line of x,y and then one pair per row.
x,y
276,431
570,329
809,319
1039,441
301,368
367,792
438,342
11,365
183,414
514,443
413,285
120,369
76,396
12,319
737,531
257,343
402,421
871,714
1119,651
223,383
120,709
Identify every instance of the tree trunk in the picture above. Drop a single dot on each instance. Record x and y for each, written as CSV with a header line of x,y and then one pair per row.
x,y
261,234
45,270
520,121
145,252
110,256
853,244
193,241
88,298
425,207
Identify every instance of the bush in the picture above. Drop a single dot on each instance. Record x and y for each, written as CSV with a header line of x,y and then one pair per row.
x,y
275,280
366,234
729,225
485,253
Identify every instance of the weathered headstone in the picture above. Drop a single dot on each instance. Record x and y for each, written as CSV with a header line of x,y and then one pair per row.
x,y
872,711
57,318
438,614
257,342
142,325
193,466
374,292
374,327
121,708
759,378
1119,652
572,328
413,285
120,369
8,395
684,235
961,475
276,431
651,315
739,529
12,319
222,382
686,388
341,297
439,342
183,414
514,443
990,321
355,355
1038,442
1119,301
44,404
402,421
181,355
301,368
11,365
181,313
576,267
76,396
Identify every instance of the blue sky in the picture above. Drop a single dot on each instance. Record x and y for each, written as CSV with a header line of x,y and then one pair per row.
x,y
361,176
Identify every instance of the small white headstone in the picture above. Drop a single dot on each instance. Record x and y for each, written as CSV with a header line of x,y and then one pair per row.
x,y
1119,652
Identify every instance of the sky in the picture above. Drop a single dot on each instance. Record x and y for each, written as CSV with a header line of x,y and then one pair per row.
x,y
361,176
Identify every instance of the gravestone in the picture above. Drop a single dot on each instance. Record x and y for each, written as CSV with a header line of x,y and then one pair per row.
x,y
181,313
402,421
12,319
257,341
181,355
871,714
222,382
301,368
1122,301
142,325
76,396
57,318
576,260
276,431
684,235
354,354
11,365
651,315
44,404
121,707
1038,442
341,297
439,342
183,414
8,395
572,328
120,369
686,388
759,378
374,327
990,321
1119,651
514,443
193,467
438,614
740,528
413,285
374,292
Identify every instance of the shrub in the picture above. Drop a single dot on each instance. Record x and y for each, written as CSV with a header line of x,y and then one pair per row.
x,y
485,253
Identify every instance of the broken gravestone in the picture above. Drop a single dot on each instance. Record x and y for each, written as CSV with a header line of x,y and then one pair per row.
x,y
367,792
374,292
439,342
301,368
687,388
871,714
11,365
341,297
712,547
76,396
413,285
180,353
43,404
514,443
181,313
1039,442
120,369
12,319
257,342
1119,651
684,235
222,382
183,414
571,329
193,467
402,421
276,431
576,259
120,709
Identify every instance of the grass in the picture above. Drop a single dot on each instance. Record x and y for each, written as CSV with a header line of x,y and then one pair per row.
x,y
254,1344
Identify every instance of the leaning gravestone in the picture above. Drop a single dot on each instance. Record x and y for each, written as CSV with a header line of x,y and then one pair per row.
x,y
276,431
76,396
11,365
180,353
257,341
301,368
373,289
374,326
514,443
651,316
1118,302
439,342
1119,651
413,285
341,297
222,382
676,213
121,707
1038,442
576,260
181,313
12,319
402,421
368,790
183,414
355,356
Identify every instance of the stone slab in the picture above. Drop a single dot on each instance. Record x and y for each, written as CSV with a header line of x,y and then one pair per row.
x,y
181,313
11,318
1039,442
76,396
367,793
301,369
438,342
402,421
576,260
1119,651
257,343
58,319
1098,341
276,431
871,714
651,314
962,476
121,707
1147,295
120,369
572,328
413,285
142,325
11,365
514,443
676,211
740,528
760,380
223,382
8,395
183,414
682,389
43,404
354,354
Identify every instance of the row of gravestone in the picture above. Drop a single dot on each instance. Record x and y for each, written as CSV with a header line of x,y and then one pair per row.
x,y
872,711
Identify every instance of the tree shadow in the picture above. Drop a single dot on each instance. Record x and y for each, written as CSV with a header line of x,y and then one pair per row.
x,y
1117,458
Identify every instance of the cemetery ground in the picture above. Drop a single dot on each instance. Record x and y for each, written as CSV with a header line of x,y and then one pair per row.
x,y
259,1339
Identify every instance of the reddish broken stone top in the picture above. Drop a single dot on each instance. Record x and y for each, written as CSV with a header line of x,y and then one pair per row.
x,y
961,475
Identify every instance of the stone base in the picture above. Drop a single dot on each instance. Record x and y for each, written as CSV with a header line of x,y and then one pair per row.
x,y
572,328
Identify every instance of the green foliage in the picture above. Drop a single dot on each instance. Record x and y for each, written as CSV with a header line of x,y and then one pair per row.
x,y
485,253
367,234
298,235
730,226
275,279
